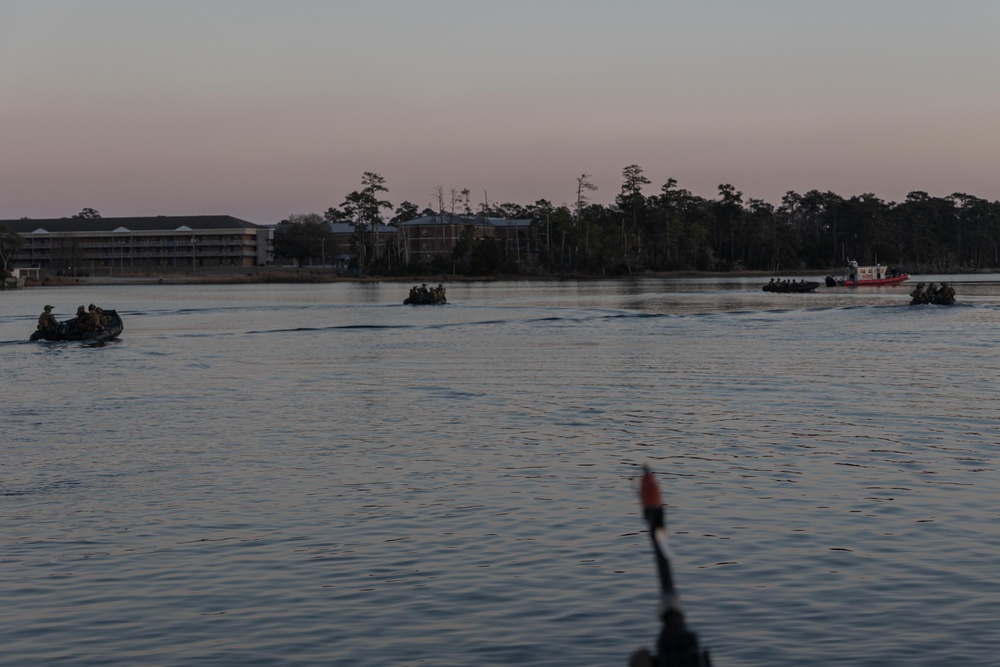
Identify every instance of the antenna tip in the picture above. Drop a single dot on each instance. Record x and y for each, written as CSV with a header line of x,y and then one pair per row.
x,y
649,491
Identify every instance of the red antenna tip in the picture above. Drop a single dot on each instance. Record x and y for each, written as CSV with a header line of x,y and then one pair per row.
x,y
649,492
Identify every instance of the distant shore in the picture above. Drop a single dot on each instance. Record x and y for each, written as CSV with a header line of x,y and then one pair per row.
x,y
309,276
261,275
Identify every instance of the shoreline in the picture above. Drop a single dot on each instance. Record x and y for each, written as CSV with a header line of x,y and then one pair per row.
x,y
307,276
313,276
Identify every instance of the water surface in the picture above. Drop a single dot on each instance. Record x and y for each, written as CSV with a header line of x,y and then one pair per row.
x,y
316,474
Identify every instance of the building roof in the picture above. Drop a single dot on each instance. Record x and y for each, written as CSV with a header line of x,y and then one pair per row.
x,y
348,228
510,222
452,219
122,225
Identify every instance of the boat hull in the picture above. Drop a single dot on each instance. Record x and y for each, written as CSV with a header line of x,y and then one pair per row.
x,y
877,282
780,288
429,301
64,332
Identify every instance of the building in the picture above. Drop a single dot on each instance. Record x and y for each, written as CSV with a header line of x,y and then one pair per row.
x,y
110,246
514,236
345,245
432,236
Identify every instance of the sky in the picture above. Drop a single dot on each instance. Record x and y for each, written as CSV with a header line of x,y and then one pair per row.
x,y
264,109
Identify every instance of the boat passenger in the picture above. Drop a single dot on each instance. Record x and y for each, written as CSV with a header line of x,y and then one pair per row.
x,y
932,291
96,322
47,321
919,294
79,323
946,295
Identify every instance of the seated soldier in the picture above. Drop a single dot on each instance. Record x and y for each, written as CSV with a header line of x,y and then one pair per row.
x,y
79,323
47,321
95,318
946,295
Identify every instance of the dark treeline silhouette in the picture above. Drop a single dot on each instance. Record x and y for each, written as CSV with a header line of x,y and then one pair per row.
x,y
675,230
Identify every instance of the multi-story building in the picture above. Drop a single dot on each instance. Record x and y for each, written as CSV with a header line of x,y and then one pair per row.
x,y
125,245
344,240
432,236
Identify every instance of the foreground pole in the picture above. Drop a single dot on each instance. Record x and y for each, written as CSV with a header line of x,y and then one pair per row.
x,y
677,646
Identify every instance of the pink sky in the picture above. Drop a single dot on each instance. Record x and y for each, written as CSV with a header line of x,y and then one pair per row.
x,y
260,109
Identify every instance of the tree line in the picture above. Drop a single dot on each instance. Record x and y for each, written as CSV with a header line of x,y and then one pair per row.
x,y
669,230
674,230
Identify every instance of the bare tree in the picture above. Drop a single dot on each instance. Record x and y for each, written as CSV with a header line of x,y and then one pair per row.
x,y
466,206
583,186
438,194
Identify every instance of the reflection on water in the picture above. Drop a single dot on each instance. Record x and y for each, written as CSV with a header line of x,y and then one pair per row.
x,y
290,474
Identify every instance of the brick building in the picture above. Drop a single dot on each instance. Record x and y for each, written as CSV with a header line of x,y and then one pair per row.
x,y
432,236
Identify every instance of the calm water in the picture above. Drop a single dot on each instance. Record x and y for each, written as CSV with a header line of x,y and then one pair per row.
x,y
306,475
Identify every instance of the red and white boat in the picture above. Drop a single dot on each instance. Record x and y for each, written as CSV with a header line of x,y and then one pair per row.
x,y
868,276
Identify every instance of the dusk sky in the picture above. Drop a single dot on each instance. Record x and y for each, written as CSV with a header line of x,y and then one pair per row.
x,y
262,109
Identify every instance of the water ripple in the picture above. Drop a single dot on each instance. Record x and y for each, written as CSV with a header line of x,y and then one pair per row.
x,y
270,476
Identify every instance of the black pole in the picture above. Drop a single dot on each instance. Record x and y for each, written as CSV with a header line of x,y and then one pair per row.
x,y
677,646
